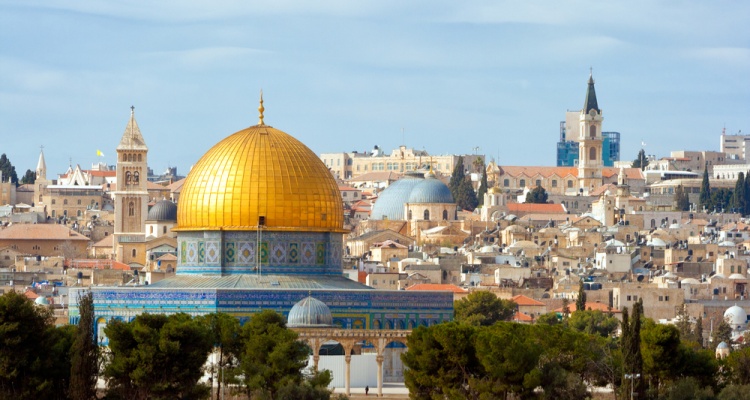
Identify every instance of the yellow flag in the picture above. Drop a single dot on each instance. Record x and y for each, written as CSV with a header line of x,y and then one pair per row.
x,y
99,153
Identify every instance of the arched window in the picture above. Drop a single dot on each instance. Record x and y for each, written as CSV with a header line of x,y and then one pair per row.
x,y
127,178
136,177
130,157
523,183
409,215
65,202
164,230
592,154
139,157
592,131
134,253
78,213
653,223
445,215
426,215
131,209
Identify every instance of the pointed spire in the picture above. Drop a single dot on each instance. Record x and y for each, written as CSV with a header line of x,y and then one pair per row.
x,y
132,138
261,109
590,102
41,166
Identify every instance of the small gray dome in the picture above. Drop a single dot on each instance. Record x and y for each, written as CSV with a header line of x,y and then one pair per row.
x,y
722,345
390,203
309,313
164,210
431,190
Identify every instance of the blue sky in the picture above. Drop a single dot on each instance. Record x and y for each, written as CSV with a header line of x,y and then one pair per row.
x,y
346,75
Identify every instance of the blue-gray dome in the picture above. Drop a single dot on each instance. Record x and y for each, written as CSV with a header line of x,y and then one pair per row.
x,y
309,313
390,203
42,301
164,210
431,190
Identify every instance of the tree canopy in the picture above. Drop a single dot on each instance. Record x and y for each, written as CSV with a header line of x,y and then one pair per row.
x,y
537,195
641,160
7,169
483,308
29,177
704,198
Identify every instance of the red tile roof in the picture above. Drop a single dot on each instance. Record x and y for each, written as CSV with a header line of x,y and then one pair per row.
x,y
522,300
437,287
521,317
591,306
40,232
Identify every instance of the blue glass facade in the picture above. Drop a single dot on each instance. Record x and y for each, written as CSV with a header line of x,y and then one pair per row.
x,y
567,151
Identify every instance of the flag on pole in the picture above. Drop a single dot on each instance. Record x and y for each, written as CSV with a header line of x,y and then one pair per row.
x,y
99,153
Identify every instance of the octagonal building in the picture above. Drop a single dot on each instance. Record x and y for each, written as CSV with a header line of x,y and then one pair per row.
x,y
260,226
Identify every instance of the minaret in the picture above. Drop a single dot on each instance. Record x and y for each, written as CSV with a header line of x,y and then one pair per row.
x,y
590,161
131,196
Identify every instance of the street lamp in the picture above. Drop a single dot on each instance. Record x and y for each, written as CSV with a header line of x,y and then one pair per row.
x,y
632,378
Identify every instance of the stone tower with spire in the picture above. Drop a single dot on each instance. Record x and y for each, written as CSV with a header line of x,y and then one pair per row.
x,y
40,183
131,196
590,161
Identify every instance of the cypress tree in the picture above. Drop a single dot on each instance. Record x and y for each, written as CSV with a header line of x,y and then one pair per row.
x,y
739,202
482,187
457,177
746,211
704,199
84,368
581,300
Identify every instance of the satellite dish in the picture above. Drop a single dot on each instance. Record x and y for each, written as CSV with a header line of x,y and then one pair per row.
x,y
640,278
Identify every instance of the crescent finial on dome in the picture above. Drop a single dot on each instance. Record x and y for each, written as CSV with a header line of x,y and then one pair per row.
x,y
261,109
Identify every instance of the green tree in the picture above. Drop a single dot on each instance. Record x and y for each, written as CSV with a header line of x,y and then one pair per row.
x,y
660,345
704,198
7,169
698,331
550,318
84,369
224,330
681,199
722,333
641,161
537,195
738,365
688,389
630,343
157,357
271,357
441,362
465,197
483,187
483,308
593,322
581,299
29,177
746,211
683,322
734,392
739,201
458,176
721,199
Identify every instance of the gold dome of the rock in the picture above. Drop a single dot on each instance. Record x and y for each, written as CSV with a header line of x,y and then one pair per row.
x,y
260,172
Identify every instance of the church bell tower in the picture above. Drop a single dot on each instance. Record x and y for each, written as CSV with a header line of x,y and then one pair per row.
x,y
590,161
131,196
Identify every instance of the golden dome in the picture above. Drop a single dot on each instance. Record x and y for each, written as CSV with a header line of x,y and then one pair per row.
x,y
260,172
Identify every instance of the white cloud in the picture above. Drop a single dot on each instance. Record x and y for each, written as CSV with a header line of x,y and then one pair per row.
x,y
207,57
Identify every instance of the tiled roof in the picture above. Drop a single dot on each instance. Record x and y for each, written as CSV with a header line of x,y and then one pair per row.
x,y
437,287
40,232
591,306
535,208
167,257
102,173
108,241
176,186
522,300
30,295
521,317
601,189
516,171
347,188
